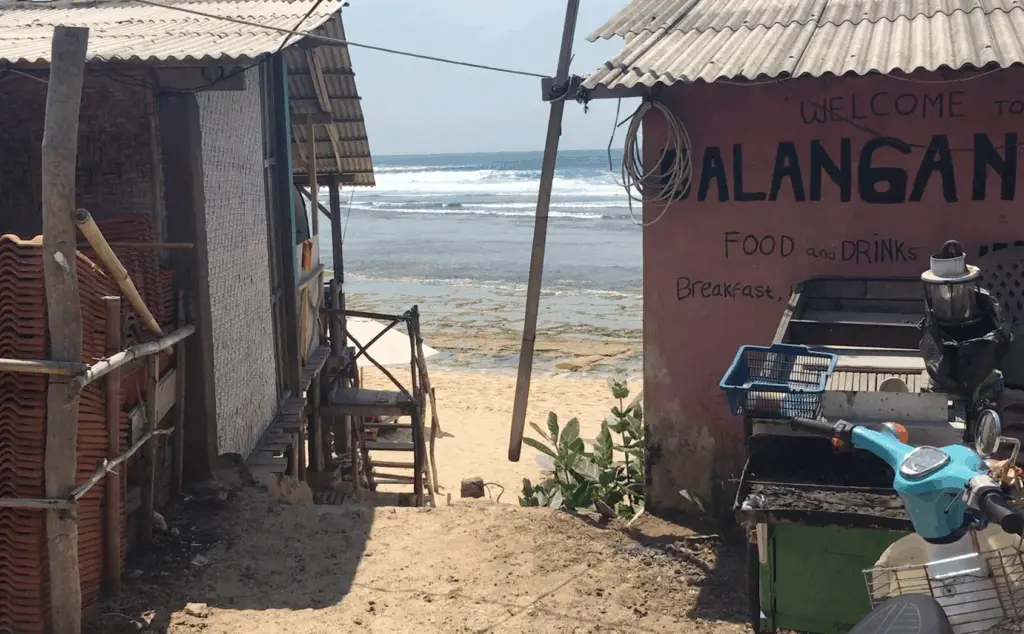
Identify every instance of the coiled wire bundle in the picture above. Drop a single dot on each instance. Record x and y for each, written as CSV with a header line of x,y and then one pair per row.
x,y
656,185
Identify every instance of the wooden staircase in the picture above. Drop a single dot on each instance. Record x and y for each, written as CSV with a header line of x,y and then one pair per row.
x,y
388,444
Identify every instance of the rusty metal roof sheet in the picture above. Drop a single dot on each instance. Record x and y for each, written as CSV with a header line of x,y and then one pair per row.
x,y
668,41
130,31
321,82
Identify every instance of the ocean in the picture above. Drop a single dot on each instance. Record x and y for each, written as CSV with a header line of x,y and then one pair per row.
x,y
453,234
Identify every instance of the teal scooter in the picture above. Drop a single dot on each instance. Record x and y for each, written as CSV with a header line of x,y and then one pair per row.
x,y
947,492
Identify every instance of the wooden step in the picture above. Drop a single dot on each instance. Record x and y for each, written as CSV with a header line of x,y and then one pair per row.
x,y
387,425
384,445
390,478
391,465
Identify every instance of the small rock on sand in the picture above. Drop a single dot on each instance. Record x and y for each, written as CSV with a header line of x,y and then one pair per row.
x,y
473,488
198,610
577,364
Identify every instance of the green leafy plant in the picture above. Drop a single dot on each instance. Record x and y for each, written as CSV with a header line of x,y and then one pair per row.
x,y
581,479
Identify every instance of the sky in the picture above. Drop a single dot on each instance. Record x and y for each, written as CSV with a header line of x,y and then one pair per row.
x,y
415,106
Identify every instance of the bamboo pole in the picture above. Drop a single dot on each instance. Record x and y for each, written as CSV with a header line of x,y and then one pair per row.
x,y
103,366
540,232
24,366
77,494
145,245
112,491
110,465
103,251
64,316
39,504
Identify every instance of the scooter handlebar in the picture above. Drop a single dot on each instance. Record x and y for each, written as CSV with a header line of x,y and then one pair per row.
x,y
811,426
998,511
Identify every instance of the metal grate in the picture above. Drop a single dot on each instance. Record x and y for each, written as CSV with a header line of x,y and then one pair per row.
x,y
1002,274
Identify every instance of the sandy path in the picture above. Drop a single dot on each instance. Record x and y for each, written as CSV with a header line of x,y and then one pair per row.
x,y
469,567
476,415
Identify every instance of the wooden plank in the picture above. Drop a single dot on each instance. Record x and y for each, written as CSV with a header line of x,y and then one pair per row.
x,y
864,317
314,365
794,305
391,465
64,315
898,288
387,425
179,407
393,478
864,305
383,445
814,333
149,452
166,396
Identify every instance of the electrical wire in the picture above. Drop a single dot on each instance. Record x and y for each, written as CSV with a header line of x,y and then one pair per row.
x,y
655,185
284,42
338,41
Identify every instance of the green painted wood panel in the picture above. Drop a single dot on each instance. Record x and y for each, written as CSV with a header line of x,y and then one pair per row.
x,y
816,580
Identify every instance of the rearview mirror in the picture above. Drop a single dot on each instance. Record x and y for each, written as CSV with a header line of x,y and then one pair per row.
x,y
988,433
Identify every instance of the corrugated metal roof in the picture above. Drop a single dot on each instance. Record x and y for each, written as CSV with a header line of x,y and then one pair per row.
x,y
345,137
689,40
131,31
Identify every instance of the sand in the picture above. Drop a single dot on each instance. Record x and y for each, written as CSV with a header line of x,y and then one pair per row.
x,y
476,415
472,567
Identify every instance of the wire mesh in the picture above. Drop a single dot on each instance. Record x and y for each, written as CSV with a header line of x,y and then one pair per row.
x,y
977,592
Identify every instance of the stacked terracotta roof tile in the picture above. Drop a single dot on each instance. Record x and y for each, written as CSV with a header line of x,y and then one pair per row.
x,y
23,564
143,265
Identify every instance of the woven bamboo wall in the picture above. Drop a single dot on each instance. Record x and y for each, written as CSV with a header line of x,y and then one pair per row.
x,y
244,371
115,155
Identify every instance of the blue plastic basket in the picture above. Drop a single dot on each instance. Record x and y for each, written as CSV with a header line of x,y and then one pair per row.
x,y
781,381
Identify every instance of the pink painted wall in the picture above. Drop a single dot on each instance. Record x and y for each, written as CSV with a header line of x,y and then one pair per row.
x,y
704,296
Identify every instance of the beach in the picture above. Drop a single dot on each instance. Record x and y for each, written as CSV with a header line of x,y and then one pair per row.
x,y
475,410
452,234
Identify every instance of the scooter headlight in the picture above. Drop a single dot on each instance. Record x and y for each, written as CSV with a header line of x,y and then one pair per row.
x,y
923,461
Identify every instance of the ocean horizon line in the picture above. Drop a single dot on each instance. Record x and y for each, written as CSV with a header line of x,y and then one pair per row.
x,y
489,152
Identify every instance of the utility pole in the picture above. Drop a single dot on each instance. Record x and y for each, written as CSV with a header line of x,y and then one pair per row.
x,y
64,316
540,234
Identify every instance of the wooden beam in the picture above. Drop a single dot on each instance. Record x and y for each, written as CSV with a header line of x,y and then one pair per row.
x,y
345,178
323,98
180,386
207,79
314,104
306,119
29,366
313,188
145,519
337,253
344,72
286,255
112,486
64,315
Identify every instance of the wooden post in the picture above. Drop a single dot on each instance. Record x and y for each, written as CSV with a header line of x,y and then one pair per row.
x,y
337,253
540,233
179,407
145,520
314,207
64,315
337,259
112,484
316,432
